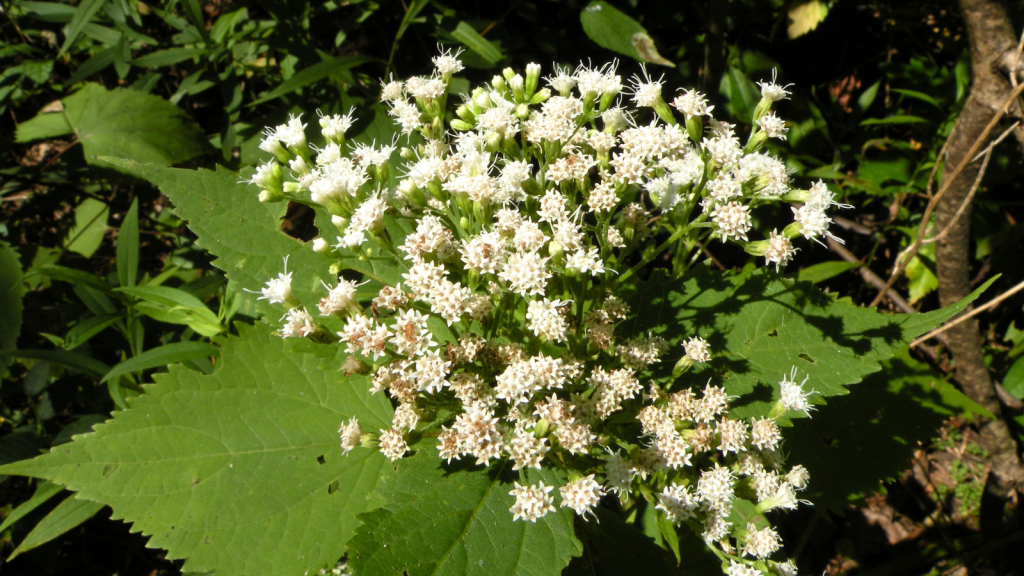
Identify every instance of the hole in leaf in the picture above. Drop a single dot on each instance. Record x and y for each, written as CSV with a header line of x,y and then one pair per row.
x,y
299,222
774,333
320,459
332,487
806,357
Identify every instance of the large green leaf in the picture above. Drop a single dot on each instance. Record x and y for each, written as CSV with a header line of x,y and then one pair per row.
x,y
243,233
856,442
126,124
761,325
239,471
611,28
440,521
12,288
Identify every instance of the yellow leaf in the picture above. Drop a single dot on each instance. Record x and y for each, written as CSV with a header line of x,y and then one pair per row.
x,y
806,17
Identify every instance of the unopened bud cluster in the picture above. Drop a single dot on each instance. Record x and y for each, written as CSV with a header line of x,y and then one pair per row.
x,y
513,224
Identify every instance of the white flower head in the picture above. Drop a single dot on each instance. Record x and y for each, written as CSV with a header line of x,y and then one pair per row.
x,y
772,91
532,502
279,290
582,495
333,127
773,126
697,349
646,92
779,250
447,63
793,396
351,434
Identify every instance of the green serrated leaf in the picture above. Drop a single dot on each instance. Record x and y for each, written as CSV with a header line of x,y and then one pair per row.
x,y
12,288
243,233
762,326
855,442
611,28
126,123
233,470
457,522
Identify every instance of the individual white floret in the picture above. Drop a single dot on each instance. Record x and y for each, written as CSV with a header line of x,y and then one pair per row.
x,y
697,349
392,444
447,63
298,324
761,543
779,250
792,396
526,450
646,92
279,290
546,319
772,91
773,126
765,434
407,115
339,298
585,262
677,503
732,219
293,132
392,90
692,103
526,273
798,477
532,502
351,435
582,495
716,488
333,127
732,435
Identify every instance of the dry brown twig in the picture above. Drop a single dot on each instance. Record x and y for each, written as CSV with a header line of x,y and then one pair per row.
x,y
969,158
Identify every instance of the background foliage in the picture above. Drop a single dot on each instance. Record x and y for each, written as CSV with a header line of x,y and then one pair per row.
x,y
102,286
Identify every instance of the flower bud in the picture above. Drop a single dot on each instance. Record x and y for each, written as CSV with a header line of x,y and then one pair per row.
x,y
465,113
461,125
508,73
541,95
532,78
498,83
268,196
517,84
614,120
320,246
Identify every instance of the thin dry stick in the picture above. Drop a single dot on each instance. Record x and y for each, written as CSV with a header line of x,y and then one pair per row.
x,y
967,201
901,263
991,304
987,154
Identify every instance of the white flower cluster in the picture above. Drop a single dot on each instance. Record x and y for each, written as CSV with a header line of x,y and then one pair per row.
x,y
512,225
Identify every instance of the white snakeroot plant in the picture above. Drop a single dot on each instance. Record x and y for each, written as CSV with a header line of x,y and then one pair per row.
x,y
516,224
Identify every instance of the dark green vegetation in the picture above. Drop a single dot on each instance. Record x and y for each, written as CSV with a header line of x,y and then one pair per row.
x,y
102,286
